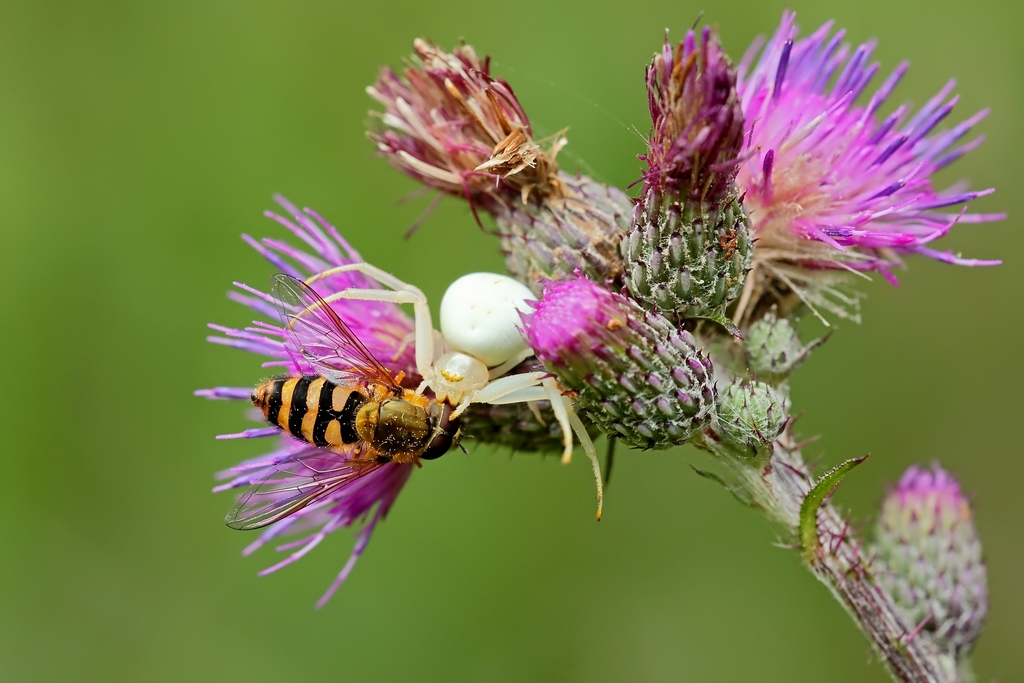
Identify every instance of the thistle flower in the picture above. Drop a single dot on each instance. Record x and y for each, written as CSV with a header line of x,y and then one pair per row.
x,y
929,559
634,373
450,125
828,185
382,327
689,247
385,330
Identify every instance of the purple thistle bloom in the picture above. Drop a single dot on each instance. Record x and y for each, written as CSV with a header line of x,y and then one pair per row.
x,y
697,122
827,184
634,373
688,247
383,327
929,558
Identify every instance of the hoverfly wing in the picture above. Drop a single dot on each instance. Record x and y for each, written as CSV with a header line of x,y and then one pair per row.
x,y
294,485
324,340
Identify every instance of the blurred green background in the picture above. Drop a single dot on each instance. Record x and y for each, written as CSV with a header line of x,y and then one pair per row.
x,y
138,140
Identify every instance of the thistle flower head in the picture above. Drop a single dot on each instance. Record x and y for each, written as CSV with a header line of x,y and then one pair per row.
x,y
751,414
929,558
449,124
697,123
381,326
634,373
688,247
452,126
773,348
831,185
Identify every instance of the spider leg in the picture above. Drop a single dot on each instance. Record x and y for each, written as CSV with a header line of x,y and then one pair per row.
x,y
406,340
503,386
403,294
515,360
532,405
527,395
588,448
370,271
566,416
558,403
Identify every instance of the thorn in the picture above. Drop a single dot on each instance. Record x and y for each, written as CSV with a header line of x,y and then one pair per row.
x,y
793,468
805,442
917,629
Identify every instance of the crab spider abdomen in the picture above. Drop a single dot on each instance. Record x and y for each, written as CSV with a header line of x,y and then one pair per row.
x,y
480,316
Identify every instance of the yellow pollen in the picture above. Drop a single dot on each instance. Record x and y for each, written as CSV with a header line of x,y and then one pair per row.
x,y
451,377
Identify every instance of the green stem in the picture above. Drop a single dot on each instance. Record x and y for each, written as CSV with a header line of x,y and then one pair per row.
x,y
778,486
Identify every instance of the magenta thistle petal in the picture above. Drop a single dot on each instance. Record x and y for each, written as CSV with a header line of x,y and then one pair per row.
x,y
383,327
830,186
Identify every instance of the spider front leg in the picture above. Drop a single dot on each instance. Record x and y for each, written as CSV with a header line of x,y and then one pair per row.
x,y
403,294
508,389
566,415
541,388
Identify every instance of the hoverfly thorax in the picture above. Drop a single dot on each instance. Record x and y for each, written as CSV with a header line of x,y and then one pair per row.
x,y
395,426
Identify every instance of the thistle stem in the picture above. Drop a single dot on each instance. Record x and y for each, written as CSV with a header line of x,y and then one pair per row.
x,y
777,487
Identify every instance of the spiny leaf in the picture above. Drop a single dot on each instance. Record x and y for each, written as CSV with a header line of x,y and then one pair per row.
x,y
812,501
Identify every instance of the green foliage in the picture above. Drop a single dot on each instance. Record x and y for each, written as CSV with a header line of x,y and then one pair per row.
x,y
826,484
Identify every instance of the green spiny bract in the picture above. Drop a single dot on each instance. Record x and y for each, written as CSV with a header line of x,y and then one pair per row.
x,y
928,558
631,371
752,414
774,349
689,248
577,230
687,260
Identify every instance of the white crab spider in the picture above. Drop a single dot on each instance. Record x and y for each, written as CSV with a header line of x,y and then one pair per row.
x,y
479,342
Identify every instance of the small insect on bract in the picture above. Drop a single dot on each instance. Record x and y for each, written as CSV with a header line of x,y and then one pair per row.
x,y
353,409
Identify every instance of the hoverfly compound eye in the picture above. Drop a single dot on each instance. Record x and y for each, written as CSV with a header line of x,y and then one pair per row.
x,y
446,434
480,316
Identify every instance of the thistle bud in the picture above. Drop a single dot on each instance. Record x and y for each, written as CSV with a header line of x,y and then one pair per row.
x,y
634,373
452,126
929,559
774,349
689,248
752,414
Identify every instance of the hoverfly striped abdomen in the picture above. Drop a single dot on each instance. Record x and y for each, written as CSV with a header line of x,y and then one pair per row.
x,y
312,409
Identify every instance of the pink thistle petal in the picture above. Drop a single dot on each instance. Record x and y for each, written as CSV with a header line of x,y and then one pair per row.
x,y
831,186
383,327
830,157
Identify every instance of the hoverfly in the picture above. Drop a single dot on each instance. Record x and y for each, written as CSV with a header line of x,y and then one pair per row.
x,y
353,409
